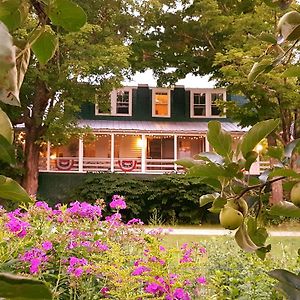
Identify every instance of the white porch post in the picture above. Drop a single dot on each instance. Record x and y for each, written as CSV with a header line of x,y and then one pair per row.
x,y
48,156
143,156
112,152
206,144
175,151
80,154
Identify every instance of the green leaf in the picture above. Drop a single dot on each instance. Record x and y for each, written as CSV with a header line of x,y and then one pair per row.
x,y
210,157
289,283
291,147
45,46
208,198
250,159
7,153
284,172
275,152
262,251
243,239
259,68
293,71
257,235
68,15
10,14
220,140
267,37
285,209
209,170
11,190
213,182
186,162
6,128
218,204
22,288
258,132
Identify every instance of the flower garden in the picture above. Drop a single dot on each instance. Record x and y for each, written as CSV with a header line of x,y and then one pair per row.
x,y
81,252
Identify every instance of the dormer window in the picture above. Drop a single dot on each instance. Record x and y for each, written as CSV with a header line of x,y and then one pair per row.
x,y
215,111
203,102
161,103
120,103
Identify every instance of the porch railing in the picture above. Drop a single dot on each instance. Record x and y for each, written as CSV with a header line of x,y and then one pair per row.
x,y
120,165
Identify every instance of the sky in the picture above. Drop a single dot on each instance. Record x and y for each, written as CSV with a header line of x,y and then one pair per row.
x,y
190,80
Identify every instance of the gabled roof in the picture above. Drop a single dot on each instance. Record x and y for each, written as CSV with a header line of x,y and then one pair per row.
x,y
156,127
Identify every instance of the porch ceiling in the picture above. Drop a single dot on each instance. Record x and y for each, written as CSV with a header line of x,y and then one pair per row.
x,y
156,127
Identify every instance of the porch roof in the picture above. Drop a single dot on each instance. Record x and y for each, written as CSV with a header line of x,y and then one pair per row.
x,y
156,127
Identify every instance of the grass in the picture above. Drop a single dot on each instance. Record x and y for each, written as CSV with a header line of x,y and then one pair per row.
x,y
280,245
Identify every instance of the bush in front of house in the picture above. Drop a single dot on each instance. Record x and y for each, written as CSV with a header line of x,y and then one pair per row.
x,y
168,199
80,254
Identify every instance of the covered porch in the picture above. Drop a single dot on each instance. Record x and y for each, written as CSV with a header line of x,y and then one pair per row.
x,y
135,147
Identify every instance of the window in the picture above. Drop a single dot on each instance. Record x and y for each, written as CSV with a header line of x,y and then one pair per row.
x,y
203,102
199,104
215,111
161,103
120,103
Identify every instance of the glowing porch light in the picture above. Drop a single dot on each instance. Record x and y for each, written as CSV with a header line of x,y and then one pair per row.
x,y
140,143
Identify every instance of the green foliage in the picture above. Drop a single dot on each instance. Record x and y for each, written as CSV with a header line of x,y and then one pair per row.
x,y
173,197
234,274
22,288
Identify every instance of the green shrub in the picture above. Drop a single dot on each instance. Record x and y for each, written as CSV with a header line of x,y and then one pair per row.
x,y
174,198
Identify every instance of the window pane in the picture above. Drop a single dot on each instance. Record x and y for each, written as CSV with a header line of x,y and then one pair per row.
x,y
199,98
199,104
215,111
161,104
122,103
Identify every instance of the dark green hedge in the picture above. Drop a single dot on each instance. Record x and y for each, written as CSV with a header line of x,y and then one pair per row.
x,y
166,199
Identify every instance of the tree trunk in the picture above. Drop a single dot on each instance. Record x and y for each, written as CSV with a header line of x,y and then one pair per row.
x,y
277,190
31,163
34,131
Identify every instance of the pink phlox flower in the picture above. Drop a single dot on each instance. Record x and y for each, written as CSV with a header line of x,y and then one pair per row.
x,y
101,246
86,244
180,294
201,280
117,202
154,288
72,245
187,256
17,226
202,250
43,205
173,278
104,291
75,266
135,221
35,257
140,270
47,245
114,219
162,248
84,210
137,262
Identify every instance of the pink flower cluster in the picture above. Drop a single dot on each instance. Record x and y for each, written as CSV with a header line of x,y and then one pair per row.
x,y
35,257
118,202
17,226
76,266
84,210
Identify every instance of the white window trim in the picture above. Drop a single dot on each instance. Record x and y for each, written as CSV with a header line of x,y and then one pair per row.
x,y
113,101
208,102
161,90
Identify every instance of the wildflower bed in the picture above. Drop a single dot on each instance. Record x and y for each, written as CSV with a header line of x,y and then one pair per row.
x,y
81,254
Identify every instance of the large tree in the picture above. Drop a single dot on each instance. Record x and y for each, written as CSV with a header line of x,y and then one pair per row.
x,y
88,63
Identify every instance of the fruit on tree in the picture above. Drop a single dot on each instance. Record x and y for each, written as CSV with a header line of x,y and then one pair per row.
x,y
295,194
230,218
